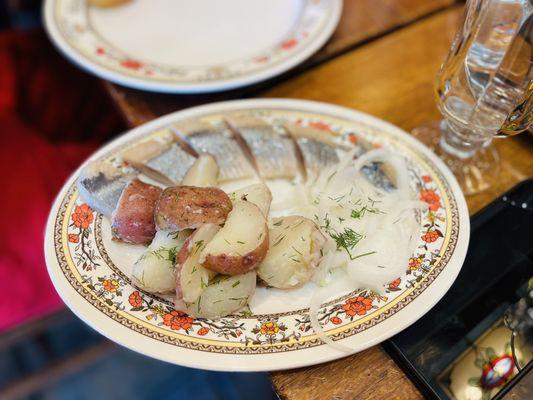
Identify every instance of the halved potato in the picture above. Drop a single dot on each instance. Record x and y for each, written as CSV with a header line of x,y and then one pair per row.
x,y
294,252
192,278
259,194
155,270
241,244
203,173
189,207
223,296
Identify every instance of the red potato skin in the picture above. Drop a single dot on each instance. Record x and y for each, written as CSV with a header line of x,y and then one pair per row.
x,y
235,265
189,207
133,219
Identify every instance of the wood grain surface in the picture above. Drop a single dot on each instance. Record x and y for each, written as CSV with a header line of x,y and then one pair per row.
x,y
361,20
392,78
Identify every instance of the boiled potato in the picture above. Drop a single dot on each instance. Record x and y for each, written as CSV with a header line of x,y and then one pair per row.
x,y
155,270
189,207
223,296
203,173
259,194
294,252
241,244
192,278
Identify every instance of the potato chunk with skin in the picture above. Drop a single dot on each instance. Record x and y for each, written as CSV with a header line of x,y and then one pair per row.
x,y
133,219
223,296
192,278
259,194
189,207
241,244
294,252
155,270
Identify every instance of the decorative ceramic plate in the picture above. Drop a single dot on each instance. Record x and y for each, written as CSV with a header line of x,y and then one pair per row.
x,y
191,46
91,272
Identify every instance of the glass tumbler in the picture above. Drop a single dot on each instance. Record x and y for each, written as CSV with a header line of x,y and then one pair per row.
x,y
484,89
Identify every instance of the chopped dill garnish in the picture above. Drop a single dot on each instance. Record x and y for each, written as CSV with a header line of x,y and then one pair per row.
x,y
346,240
278,223
199,245
292,258
226,241
363,255
236,284
278,241
358,214
240,242
164,253
238,298
296,250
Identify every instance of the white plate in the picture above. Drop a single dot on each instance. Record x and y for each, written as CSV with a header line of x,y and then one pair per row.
x,y
90,271
183,46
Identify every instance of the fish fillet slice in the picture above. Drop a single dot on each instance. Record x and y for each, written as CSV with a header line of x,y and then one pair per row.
x,y
221,144
173,163
162,156
317,149
101,184
274,152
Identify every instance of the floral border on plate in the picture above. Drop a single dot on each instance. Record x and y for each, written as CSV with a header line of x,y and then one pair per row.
x,y
82,257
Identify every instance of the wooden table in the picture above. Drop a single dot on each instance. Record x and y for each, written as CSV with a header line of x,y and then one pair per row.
x,y
382,60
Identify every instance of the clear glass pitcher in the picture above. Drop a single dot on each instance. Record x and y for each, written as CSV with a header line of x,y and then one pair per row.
x,y
484,89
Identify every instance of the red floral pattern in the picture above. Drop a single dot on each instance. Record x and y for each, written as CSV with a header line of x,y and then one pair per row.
x,y
289,44
430,236
135,299
73,238
203,331
131,64
177,320
82,216
395,283
357,306
430,197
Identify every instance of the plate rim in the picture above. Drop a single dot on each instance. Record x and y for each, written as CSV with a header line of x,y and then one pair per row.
x,y
187,88
260,362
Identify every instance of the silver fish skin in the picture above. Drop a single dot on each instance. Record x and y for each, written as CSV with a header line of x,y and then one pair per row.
x,y
220,142
162,156
274,152
100,185
317,150
375,174
172,163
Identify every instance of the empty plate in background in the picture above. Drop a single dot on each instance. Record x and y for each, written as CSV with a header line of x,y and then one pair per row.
x,y
182,46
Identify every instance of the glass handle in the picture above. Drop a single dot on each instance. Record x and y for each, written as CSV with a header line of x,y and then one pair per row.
x,y
521,117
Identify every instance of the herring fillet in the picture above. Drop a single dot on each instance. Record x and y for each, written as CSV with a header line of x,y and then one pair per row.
x,y
220,143
161,156
318,151
173,163
101,184
274,152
